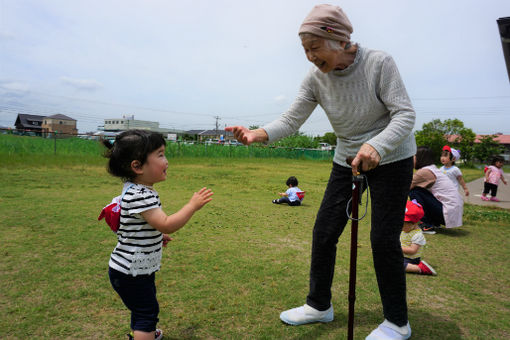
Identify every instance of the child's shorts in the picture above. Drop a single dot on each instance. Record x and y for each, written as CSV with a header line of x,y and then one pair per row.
x,y
411,261
139,295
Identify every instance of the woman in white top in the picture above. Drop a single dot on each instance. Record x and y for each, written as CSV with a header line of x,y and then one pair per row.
x,y
438,195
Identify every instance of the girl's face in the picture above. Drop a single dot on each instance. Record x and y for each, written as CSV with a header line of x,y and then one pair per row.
x,y
320,54
499,164
408,226
154,169
445,158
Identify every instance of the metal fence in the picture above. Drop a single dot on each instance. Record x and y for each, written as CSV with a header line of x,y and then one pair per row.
x,y
30,143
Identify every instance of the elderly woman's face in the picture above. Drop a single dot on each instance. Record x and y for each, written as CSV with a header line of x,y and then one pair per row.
x,y
319,53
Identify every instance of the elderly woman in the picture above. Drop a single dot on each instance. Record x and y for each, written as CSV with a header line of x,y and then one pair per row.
x,y
370,112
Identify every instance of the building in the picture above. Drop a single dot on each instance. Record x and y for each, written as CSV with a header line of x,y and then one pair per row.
x,y
209,135
125,123
42,125
61,124
501,139
128,123
29,123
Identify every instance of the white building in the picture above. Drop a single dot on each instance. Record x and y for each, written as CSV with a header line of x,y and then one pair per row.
x,y
116,125
129,123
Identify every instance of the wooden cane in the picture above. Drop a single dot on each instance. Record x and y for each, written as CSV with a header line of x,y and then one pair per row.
x,y
357,191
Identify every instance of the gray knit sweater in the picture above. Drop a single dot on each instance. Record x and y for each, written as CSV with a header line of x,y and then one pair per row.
x,y
365,103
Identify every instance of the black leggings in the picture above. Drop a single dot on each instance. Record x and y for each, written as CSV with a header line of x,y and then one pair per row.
x,y
388,194
489,187
285,199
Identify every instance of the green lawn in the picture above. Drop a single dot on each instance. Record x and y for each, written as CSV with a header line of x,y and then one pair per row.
x,y
239,262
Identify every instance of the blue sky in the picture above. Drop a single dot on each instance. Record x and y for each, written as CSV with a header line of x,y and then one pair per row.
x,y
184,63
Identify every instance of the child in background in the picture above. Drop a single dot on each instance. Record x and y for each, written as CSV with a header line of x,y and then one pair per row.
x,y
412,241
448,158
290,196
138,158
492,176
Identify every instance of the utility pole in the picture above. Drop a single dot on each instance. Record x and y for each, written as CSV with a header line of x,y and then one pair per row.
x,y
217,124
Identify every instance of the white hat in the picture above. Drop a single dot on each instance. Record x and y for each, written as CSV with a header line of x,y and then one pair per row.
x,y
455,154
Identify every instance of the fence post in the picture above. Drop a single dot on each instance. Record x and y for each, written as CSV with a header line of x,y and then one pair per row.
x,y
55,142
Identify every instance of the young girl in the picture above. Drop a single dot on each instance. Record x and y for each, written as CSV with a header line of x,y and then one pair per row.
x,y
290,196
492,177
448,158
412,241
138,158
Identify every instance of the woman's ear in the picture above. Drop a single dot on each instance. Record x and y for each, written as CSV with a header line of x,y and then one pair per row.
x,y
136,166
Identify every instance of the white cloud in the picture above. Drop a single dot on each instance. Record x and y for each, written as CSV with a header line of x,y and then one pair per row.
x,y
14,87
82,84
280,99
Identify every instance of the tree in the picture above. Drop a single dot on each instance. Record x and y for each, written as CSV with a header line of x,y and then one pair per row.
x,y
487,148
298,140
436,134
329,137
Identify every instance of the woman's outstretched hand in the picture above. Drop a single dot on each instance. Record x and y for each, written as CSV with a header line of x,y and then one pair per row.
x,y
247,136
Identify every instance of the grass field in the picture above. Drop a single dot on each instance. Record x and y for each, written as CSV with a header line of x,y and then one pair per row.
x,y
239,262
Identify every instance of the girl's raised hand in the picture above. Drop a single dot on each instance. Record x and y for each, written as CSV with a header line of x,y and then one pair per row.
x,y
201,198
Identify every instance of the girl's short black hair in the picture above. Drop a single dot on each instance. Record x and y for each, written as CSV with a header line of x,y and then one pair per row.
x,y
129,146
496,159
424,157
292,181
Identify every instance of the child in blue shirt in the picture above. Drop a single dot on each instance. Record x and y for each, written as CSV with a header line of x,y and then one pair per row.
x,y
291,195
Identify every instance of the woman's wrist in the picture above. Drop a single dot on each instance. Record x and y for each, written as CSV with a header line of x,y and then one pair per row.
x,y
261,135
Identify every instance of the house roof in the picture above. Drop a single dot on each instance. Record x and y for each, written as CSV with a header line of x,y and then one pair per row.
x,y
500,138
27,121
60,116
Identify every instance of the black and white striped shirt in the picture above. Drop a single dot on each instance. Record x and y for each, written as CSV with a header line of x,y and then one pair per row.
x,y
138,249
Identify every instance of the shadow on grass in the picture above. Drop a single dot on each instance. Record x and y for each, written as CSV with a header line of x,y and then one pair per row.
x,y
454,232
429,326
425,326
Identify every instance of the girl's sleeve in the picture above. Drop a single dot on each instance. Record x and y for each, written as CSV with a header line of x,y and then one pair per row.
x,y
457,172
142,200
419,238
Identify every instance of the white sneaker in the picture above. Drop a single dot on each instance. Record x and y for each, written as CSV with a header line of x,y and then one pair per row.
x,y
306,314
390,331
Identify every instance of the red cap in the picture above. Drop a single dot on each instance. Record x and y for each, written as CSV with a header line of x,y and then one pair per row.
x,y
447,148
414,212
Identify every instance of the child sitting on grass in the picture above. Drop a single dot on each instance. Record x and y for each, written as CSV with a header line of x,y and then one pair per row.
x,y
412,241
138,158
290,196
